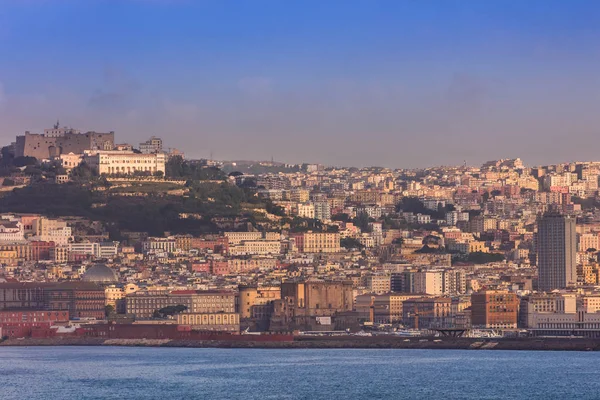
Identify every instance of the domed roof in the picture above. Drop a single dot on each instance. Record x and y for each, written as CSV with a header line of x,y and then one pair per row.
x,y
100,273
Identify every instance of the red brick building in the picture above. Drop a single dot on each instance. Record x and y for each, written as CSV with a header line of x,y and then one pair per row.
x,y
212,267
219,267
33,316
201,267
495,309
21,323
218,245
82,299
41,250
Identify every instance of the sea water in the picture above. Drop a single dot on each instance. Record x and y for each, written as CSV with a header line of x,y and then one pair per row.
x,y
180,373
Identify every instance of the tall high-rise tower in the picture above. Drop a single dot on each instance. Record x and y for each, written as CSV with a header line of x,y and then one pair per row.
x,y
556,252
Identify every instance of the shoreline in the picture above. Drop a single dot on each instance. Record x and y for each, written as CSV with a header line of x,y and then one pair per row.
x,y
522,344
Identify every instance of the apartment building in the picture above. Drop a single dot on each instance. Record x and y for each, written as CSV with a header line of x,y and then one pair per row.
x,y
556,252
238,237
311,242
256,247
494,309
144,304
378,284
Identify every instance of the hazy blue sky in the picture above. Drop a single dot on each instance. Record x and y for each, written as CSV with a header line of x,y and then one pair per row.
x,y
391,83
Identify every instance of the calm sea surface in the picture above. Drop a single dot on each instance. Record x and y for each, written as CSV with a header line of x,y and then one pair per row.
x,y
159,373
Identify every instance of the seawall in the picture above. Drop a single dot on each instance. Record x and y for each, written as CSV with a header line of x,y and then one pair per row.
x,y
566,344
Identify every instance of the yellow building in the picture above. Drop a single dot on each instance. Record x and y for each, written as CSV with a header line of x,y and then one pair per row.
x,y
183,242
299,195
258,247
588,274
246,264
591,303
321,242
8,256
112,162
112,295
250,296
115,296
365,197
239,237
23,250
223,322
477,246
387,199
60,254
70,161
55,272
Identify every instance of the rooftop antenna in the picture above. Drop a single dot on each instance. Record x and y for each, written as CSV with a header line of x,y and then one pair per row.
x,y
211,155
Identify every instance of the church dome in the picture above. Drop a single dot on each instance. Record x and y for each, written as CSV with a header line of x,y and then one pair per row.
x,y
100,273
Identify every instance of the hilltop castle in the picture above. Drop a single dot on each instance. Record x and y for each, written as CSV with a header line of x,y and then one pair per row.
x,y
56,141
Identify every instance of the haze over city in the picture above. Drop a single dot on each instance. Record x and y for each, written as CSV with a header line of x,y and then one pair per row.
x,y
391,83
308,199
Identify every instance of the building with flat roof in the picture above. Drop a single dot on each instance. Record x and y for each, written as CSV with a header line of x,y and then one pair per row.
x,y
427,313
113,162
152,146
379,284
537,304
317,242
143,304
383,308
494,309
556,252
80,299
222,322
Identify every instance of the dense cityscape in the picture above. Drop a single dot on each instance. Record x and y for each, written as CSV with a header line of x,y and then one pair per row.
x,y
97,235
299,200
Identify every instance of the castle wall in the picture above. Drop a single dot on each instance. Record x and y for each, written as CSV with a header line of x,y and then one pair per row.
x,y
42,147
77,143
